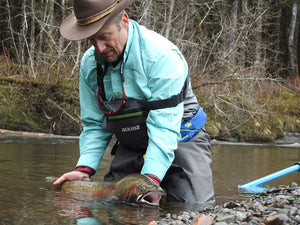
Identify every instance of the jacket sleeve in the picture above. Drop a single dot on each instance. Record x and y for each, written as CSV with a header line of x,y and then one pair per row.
x,y
93,141
166,78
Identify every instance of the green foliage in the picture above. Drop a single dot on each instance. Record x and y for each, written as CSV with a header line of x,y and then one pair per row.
x,y
287,94
32,106
281,114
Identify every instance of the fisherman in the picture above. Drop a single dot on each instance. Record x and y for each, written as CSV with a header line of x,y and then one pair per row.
x,y
135,84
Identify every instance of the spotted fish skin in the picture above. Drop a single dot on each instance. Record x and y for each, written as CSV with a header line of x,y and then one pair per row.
x,y
133,188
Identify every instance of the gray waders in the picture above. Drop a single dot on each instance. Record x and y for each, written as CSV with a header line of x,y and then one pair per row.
x,y
189,179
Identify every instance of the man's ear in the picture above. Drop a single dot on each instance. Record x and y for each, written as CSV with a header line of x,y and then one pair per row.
x,y
125,21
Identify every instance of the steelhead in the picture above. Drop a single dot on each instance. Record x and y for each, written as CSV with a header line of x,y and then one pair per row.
x,y
133,188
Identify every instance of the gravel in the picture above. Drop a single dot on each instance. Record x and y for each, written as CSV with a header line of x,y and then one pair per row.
x,y
275,206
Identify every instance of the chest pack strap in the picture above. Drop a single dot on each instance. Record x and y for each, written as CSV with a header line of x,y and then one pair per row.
x,y
169,102
100,75
149,105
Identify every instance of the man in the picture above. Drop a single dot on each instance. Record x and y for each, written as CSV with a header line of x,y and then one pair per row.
x,y
134,84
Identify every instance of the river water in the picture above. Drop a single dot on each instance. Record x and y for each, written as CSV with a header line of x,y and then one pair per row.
x,y
26,161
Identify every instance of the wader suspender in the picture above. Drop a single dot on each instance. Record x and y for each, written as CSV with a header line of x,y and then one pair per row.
x,y
150,105
100,76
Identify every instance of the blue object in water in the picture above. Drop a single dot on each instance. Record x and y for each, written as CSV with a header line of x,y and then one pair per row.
x,y
255,186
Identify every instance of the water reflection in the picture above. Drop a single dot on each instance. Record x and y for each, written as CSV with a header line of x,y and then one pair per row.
x,y
25,162
101,212
237,165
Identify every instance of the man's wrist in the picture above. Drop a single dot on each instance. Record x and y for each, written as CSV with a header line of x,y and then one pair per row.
x,y
86,169
154,178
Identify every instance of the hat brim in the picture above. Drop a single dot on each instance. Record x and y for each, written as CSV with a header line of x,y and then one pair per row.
x,y
70,30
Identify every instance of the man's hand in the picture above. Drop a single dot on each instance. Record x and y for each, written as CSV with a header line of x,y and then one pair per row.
x,y
74,175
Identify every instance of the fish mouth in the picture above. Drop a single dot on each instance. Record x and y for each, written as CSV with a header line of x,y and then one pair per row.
x,y
151,198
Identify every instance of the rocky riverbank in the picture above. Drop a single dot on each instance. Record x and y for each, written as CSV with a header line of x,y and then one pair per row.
x,y
275,206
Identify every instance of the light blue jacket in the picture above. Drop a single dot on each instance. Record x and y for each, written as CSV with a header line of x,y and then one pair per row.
x,y
154,69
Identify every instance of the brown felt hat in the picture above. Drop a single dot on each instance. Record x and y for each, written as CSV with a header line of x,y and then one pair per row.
x,y
90,16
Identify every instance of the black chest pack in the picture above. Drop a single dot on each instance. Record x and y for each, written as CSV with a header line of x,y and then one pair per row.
x,y
126,118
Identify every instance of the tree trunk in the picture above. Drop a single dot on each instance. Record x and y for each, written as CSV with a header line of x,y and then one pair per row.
x,y
242,53
233,32
147,14
292,41
23,32
11,30
51,17
258,64
61,39
169,22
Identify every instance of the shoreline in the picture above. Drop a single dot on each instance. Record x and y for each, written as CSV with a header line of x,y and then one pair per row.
x,y
11,133
281,143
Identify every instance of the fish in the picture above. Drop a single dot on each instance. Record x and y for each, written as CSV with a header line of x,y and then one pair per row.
x,y
133,188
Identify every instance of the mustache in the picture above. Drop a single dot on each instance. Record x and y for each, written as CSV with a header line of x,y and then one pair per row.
x,y
105,51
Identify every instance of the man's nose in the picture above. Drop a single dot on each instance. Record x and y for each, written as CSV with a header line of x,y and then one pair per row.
x,y
99,45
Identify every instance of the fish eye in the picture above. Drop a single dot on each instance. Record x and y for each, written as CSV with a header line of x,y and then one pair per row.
x,y
143,189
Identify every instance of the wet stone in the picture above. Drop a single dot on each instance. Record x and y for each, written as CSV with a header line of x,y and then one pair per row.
x,y
253,222
168,215
185,218
296,219
231,205
293,212
174,216
179,222
293,184
283,209
257,215
185,213
193,215
228,219
226,210
164,223
284,218
255,219
203,220
272,220
297,202
259,206
287,206
221,223
240,216
282,203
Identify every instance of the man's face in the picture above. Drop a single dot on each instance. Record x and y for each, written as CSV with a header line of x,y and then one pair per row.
x,y
111,39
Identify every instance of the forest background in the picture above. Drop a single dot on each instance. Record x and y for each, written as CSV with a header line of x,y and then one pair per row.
x,y
243,56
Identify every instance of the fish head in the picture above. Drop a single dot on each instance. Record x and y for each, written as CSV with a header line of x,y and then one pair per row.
x,y
150,197
142,190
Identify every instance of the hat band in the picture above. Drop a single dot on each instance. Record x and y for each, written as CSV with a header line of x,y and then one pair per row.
x,y
98,16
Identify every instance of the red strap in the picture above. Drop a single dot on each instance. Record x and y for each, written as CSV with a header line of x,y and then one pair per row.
x,y
155,179
85,169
